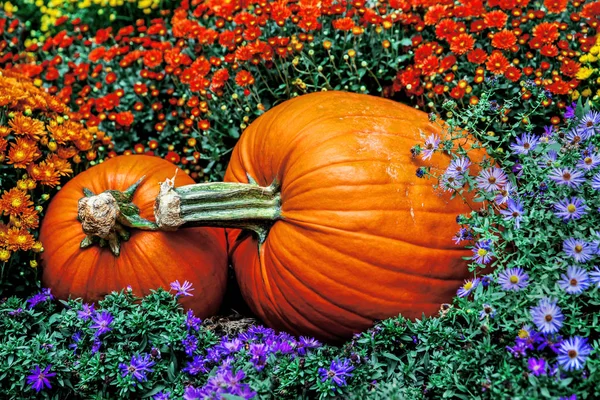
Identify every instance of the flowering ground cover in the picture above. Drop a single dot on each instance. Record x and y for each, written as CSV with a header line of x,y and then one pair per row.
x,y
182,80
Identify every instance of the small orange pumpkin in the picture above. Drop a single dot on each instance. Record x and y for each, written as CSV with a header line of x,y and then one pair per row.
x,y
148,259
346,231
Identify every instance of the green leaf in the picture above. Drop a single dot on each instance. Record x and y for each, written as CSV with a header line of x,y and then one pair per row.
x,y
153,391
390,356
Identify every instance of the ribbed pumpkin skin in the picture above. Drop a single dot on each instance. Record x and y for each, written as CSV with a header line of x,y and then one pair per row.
x,y
362,238
148,260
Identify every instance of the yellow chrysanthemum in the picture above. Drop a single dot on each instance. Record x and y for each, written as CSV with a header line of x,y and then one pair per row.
x,y
584,73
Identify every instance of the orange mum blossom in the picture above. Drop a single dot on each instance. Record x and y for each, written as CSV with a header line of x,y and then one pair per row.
x,y
39,145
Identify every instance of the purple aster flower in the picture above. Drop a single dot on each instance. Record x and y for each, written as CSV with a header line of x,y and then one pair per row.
x,y
38,379
196,366
96,346
192,322
431,145
570,111
458,167
482,252
307,343
192,393
182,289
505,193
259,353
525,143
15,312
590,123
595,276
570,209
577,135
462,234
547,316
575,281
451,182
487,311
595,183
87,312
467,287
514,212
537,366
571,397
338,372
551,341
547,135
573,352
261,330
589,162
190,343
138,367
513,279
578,249
227,346
162,396
41,297
519,349
491,179
548,159
101,323
567,176
76,339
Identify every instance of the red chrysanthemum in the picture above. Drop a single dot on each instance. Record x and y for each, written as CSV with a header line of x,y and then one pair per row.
x,y
556,6
546,32
446,29
495,19
513,73
434,14
497,64
549,50
477,56
244,78
504,40
462,43
430,65
569,67
343,24
153,58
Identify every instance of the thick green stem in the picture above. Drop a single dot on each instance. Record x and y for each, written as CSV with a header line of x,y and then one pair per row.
x,y
105,217
218,204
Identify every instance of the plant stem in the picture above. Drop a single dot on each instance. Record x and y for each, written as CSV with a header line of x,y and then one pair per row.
x,y
219,204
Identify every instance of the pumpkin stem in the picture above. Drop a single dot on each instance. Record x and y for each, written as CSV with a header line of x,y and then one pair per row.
x,y
105,217
219,204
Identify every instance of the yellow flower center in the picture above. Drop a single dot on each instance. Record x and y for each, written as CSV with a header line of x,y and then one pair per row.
x,y
468,285
571,208
514,279
16,203
481,252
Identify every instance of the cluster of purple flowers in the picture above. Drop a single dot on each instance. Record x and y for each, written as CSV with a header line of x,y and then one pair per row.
x,y
256,345
571,353
43,296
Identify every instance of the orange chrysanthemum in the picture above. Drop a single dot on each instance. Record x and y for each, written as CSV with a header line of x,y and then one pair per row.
x,y
19,239
30,219
22,125
504,40
343,24
22,153
462,43
549,50
497,64
570,68
44,173
244,78
513,73
15,201
546,32
62,166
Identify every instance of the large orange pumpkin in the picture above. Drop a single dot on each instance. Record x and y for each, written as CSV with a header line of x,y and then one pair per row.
x,y
347,233
148,260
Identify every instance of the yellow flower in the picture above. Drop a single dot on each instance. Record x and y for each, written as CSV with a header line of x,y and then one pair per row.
x,y
4,255
575,95
595,50
586,93
584,73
